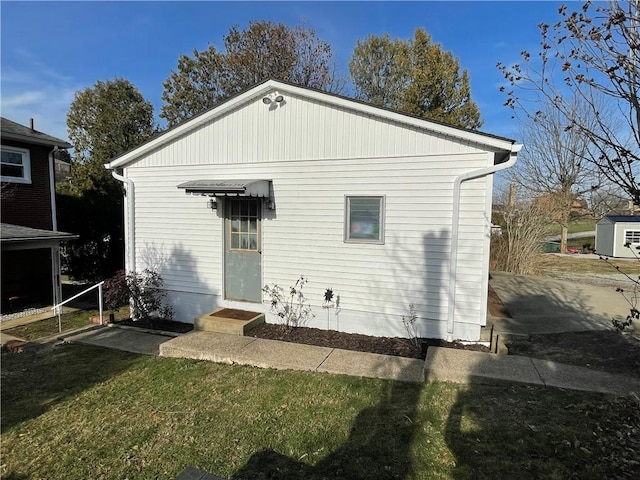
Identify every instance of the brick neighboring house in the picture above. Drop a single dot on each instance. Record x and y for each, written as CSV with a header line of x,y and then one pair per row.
x,y
28,236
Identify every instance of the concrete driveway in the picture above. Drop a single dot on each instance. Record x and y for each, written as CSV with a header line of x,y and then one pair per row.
x,y
544,305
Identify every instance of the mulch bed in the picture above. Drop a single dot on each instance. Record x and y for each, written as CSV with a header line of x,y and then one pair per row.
x,y
399,347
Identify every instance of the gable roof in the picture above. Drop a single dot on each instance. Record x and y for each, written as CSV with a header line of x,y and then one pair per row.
x,y
267,87
620,219
14,131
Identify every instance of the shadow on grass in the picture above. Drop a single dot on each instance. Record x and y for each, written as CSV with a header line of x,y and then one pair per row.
x,y
35,381
378,446
534,432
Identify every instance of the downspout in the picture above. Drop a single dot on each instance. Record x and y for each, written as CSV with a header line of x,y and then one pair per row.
x,y
455,227
55,251
52,187
129,228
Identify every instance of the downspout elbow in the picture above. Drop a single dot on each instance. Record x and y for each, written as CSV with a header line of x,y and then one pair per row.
x,y
455,226
130,258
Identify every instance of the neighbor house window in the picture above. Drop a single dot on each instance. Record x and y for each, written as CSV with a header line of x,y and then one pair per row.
x,y
16,165
364,222
632,236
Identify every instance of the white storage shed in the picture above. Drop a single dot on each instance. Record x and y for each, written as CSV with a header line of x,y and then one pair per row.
x,y
614,232
385,209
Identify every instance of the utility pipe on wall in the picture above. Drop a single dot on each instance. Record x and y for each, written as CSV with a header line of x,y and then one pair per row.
x,y
455,227
55,251
129,226
52,187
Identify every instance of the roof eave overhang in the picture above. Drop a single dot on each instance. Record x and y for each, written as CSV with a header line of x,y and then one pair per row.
x,y
35,140
38,238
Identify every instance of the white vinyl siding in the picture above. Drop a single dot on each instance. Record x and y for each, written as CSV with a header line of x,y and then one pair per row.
x,y
304,235
15,165
303,129
320,152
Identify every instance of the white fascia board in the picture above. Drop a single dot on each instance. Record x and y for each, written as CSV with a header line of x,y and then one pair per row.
x,y
322,97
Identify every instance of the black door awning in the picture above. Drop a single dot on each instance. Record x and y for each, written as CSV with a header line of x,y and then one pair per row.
x,y
223,188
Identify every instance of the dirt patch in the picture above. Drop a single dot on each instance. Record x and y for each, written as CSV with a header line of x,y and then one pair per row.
x,y
400,347
495,306
605,350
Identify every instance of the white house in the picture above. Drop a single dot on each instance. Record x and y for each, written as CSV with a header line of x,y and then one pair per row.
x,y
387,210
614,232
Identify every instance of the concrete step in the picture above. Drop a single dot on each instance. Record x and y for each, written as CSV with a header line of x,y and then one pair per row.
x,y
229,320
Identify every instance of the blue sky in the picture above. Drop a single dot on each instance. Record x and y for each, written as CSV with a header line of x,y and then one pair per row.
x,y
68,46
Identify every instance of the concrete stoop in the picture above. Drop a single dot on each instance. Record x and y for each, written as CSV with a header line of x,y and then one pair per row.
x,y
228,320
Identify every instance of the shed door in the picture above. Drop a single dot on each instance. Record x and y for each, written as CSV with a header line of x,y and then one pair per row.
x,y
243,277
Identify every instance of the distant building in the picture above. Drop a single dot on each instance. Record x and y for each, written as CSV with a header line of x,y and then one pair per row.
x,y
618,236
29,237
62,169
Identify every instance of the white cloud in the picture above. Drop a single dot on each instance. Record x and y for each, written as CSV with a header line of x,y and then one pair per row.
x,y
32,89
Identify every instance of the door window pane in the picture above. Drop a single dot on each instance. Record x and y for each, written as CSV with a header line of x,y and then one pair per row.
x,y
244,219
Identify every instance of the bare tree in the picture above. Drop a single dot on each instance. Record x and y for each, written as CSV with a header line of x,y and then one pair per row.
x,y
591,54
551,167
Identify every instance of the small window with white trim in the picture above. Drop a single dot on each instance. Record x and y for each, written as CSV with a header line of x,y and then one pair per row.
x,y
364,219
15,165
632,237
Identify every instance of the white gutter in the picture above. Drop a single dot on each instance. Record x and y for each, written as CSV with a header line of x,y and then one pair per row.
x,y
455,227
129,228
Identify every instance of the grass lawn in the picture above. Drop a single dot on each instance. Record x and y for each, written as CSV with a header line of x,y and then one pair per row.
x,y
580,265
83,412
575,227
70,321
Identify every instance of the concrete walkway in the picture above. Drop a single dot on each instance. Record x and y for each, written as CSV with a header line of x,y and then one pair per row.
x,y
442,364
257,352
463,366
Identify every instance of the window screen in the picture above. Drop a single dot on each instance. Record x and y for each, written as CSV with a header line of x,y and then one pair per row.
x,y
364,221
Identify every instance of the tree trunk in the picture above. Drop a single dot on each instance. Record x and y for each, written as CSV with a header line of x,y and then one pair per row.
x,y
563,239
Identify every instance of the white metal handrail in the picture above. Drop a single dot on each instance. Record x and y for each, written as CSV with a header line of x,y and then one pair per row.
x,y
58,308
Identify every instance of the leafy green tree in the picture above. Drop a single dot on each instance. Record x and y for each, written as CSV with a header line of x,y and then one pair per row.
x,y
264,50
103,121
379,67
414,76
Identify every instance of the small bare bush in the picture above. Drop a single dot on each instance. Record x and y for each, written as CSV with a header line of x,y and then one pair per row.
x,y
292,309
525,226
142,290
